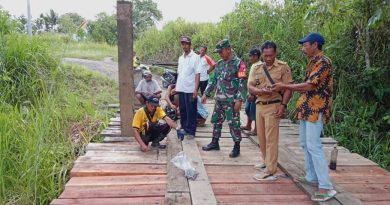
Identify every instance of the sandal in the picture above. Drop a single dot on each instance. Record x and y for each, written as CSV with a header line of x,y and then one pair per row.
x,y
252,133
323,197
265,177
244,128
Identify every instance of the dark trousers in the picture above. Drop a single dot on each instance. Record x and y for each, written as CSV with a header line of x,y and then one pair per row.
x,y
155,133
202,86
187,105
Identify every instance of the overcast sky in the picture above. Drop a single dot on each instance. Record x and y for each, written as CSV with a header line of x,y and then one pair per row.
x,y
190,10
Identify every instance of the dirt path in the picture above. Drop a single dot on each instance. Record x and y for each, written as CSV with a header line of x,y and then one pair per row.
x,y
106,67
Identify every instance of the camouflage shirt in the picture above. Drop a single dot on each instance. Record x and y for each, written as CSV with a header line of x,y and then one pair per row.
x,y
229,80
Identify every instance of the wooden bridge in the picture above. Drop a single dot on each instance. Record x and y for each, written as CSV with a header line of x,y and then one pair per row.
x,y
117,172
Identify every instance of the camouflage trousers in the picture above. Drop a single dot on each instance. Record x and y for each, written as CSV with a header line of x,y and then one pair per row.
x,y
225,110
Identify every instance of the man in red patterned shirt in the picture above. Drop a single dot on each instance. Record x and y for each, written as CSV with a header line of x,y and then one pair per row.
x,y
313,110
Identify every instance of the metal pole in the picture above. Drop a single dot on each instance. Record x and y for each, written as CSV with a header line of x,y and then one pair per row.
x,y
125,64
29,28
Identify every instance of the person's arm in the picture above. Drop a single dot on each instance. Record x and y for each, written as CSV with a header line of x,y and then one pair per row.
x,y
211,85
197,80
170,122
167,97
211,64
137,136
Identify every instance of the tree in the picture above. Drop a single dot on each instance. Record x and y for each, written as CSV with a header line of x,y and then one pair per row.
x,y
70,23
145,15
48,20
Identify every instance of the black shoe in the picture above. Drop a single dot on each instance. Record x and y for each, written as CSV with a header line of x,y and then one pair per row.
x,y
158,145
236,150
214,145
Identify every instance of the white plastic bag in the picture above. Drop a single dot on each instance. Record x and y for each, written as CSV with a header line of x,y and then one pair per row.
x,y
182,162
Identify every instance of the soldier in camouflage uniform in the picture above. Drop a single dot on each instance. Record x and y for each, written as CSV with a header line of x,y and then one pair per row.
x,y
230,83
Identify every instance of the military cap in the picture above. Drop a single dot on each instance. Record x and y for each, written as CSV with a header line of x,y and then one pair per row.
x,y
224,43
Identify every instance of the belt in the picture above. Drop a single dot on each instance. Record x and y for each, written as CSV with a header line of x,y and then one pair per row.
x,y
269,102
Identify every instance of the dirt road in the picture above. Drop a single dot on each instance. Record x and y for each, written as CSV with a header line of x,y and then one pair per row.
x,y
106,67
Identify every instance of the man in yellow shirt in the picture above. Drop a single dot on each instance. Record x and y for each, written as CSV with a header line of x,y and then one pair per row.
x,y
148,127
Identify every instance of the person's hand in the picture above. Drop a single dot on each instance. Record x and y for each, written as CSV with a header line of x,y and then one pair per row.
x,y
237,106
250,98
279,111
173,106
203,99
145,148
195,94
277,87
265,91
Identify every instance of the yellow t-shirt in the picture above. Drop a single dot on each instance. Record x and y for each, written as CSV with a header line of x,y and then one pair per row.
x,y
140,117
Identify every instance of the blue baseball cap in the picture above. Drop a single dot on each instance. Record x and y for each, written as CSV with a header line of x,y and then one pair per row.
x,y
153,100
313,37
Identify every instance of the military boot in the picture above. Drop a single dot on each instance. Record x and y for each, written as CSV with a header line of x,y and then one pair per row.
x,y
214,145
236,150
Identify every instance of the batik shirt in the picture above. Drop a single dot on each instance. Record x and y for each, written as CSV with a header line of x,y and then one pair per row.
x,y
318,100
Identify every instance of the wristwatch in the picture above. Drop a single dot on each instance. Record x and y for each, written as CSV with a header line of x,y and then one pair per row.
x,y
285,105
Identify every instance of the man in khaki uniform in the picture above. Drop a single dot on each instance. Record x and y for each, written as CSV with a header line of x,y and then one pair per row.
x,y
269,107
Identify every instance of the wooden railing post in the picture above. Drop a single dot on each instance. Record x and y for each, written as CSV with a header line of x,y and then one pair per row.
x,y
125,66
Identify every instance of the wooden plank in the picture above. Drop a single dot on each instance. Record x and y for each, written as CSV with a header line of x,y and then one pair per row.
x,y
177,183
359,171
181,198
113,139
121,160
113,147
373,197
111,133
99,169
117,180
362,179
264,199
246,178
200,188
367,188
74,192
225,142
111,201
248,189
107,153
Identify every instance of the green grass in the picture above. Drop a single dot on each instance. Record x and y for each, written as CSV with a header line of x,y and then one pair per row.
x,y
88,50
39,142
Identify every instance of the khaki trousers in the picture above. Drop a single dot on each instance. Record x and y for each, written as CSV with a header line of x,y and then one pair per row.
x,y
268,134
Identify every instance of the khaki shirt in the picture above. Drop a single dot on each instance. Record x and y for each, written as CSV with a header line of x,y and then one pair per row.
x,y
279,72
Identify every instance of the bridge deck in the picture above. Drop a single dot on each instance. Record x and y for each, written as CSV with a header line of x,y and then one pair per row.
x,y
117,172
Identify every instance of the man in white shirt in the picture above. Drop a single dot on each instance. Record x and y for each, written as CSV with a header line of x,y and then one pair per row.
x,y
147,87
187,86
206,65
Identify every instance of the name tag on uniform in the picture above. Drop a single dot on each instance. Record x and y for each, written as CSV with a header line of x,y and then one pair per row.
x,y
242,70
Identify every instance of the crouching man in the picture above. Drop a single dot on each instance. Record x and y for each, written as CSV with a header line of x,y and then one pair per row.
x,y
148,127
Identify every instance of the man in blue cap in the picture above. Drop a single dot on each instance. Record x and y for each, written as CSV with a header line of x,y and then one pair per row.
x,y
313,110
147,127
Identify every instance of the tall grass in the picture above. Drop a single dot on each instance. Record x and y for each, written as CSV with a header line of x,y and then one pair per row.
x,y
90,50
48,112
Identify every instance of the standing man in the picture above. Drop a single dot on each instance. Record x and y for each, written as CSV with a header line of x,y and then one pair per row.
x,y
147,87
206,65
250,105
269,107
313,110
230,83
187,86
